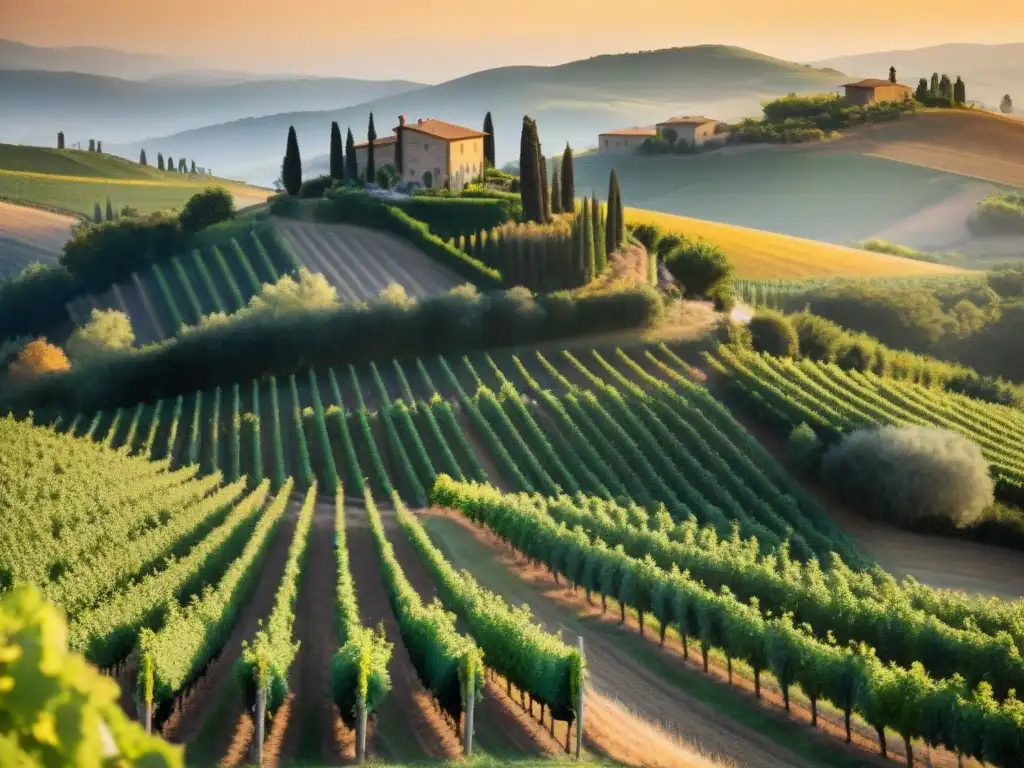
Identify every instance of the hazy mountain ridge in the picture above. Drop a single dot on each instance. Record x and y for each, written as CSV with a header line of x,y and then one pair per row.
x,y
571,102
35,104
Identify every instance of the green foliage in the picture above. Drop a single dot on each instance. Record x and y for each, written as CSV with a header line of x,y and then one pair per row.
x,y
291,166
489,140
204,209
273,649
772,333
700,267
883,246
903,474
337,157
998,215
530,179
804,449
56,709
107,331
449,217
315,187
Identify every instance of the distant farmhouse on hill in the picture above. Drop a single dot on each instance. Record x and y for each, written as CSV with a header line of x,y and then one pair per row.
x,y
432,151
874,91
694,131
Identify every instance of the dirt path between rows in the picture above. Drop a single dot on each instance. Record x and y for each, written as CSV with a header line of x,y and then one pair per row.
x,y
312,729
216,700
500,728
407,714
633,714
483,456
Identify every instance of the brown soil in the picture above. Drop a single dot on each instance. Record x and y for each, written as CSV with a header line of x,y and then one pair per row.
x,y
496,715
192,711
648,699
309,706
409,708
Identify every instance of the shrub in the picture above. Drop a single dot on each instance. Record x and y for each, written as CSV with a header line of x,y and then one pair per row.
x,y
107,331
205,209
315,187
648,235
998,215
1008,281
450,217
804,449
285,206
818,338
908,475
35,300
37,358
892,249
772,333
699,266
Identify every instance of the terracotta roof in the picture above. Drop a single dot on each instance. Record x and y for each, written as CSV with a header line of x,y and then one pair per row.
x,y
378,141
442,130
688,120
631,132
874,82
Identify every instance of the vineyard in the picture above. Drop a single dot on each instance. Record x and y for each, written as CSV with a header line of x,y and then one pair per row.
x,y
360,262
217,279
614,470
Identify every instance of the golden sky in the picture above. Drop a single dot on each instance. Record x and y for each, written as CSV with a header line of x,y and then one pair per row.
x,y
432,40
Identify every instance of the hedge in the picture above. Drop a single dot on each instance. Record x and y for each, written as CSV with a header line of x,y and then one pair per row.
x,y
258,345
362,209
453,216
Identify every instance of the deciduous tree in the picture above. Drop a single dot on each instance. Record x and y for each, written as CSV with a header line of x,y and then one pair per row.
x,y
37,358
337,153
291,167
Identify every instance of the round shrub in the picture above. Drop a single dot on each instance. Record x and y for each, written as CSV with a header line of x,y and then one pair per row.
x,y
860,354
206,208
315,187
772,333
804,449
699,266
909,475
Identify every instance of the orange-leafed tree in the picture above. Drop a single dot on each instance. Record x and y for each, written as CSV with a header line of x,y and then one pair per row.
x,y
39,357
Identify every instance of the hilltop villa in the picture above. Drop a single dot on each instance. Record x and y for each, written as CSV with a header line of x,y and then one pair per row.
x,y
432,151
694,131
872,91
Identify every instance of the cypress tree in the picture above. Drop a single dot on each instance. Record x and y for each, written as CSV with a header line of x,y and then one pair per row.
x,y
159,161
600,254
193,167
933,86
92,145
921,94
351,166
588,241
142,158
337,154
291,167
959,91
60,140
99,146
399,152
556,193
97,212
892,74
488,141
110,210
181,165
371,166
170,164
614,229
568,182
542,173
529,181
620,214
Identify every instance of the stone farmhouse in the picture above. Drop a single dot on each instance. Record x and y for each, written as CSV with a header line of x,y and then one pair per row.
x,y
695,131
873,91
432,151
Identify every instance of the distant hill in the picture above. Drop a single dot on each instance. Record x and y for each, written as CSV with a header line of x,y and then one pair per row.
x,y
571,102
35,104
988,70
74,181
89,60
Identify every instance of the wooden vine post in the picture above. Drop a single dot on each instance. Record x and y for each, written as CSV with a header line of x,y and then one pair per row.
x,y
146,676
468,675
580,682
364,681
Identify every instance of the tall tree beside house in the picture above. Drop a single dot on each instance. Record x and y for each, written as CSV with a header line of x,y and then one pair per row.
x,y
600,253
556,193
337,154
529,173
921,94
959,91
351,166
193,167
291,166
60,140
400,148
371,136
110,210
142,158
615,229
892,74
1006,105
933,85
488,141
568,181
159,161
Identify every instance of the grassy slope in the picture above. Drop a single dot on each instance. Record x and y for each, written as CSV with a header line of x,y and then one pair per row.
x,y
759,255
74,180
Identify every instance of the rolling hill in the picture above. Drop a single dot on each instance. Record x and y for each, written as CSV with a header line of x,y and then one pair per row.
x,y
922,173
989,70
36,104
73,181
571,102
